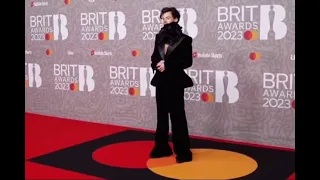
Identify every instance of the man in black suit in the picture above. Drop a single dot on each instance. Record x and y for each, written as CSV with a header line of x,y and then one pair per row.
x,y
172,54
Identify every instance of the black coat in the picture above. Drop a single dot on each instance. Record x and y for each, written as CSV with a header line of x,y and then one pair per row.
x,y
179,56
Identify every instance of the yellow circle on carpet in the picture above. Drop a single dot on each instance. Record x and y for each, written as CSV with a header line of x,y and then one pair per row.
x,y
206,164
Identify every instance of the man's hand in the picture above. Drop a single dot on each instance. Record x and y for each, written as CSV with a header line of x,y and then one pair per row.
x,y
160,66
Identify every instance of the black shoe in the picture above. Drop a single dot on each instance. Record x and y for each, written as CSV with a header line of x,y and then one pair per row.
x,y
184,158
158,152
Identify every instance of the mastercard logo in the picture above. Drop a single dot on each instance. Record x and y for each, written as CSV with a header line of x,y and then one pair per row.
x,y
255,55
74,86
134,91
207,97
207,163
293,104
92,52
67,1
251,34
48,52
49,36
103,35
135,53
195,54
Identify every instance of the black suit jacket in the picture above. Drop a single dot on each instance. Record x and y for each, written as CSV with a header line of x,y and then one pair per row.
x,y
178,57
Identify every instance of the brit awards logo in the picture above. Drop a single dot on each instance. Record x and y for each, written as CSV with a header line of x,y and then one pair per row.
x,y
133,81
32,75
103,26
212,86
48,27
279,90
123,80
209,85
188,21
252,22
73,77
151,22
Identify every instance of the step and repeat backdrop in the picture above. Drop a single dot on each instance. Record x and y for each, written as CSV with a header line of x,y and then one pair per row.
x,y
90,60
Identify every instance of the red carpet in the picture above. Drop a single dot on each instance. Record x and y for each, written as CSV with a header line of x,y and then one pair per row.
x,y
47,134
47,138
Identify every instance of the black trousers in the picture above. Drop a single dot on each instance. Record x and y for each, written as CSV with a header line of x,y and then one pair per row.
x,y
170,100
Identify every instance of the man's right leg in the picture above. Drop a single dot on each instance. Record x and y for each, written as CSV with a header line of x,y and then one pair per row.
x,y
161,148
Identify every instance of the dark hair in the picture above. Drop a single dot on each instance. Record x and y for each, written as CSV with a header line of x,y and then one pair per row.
x,y
175,13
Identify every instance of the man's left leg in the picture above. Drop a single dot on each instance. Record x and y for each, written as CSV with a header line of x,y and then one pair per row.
x,y
180,133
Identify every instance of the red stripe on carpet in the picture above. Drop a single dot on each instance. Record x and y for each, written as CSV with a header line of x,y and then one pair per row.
x,y
148,130
39,171
46,134
292,176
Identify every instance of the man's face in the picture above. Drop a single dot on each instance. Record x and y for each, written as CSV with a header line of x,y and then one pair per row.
x,y
167,18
